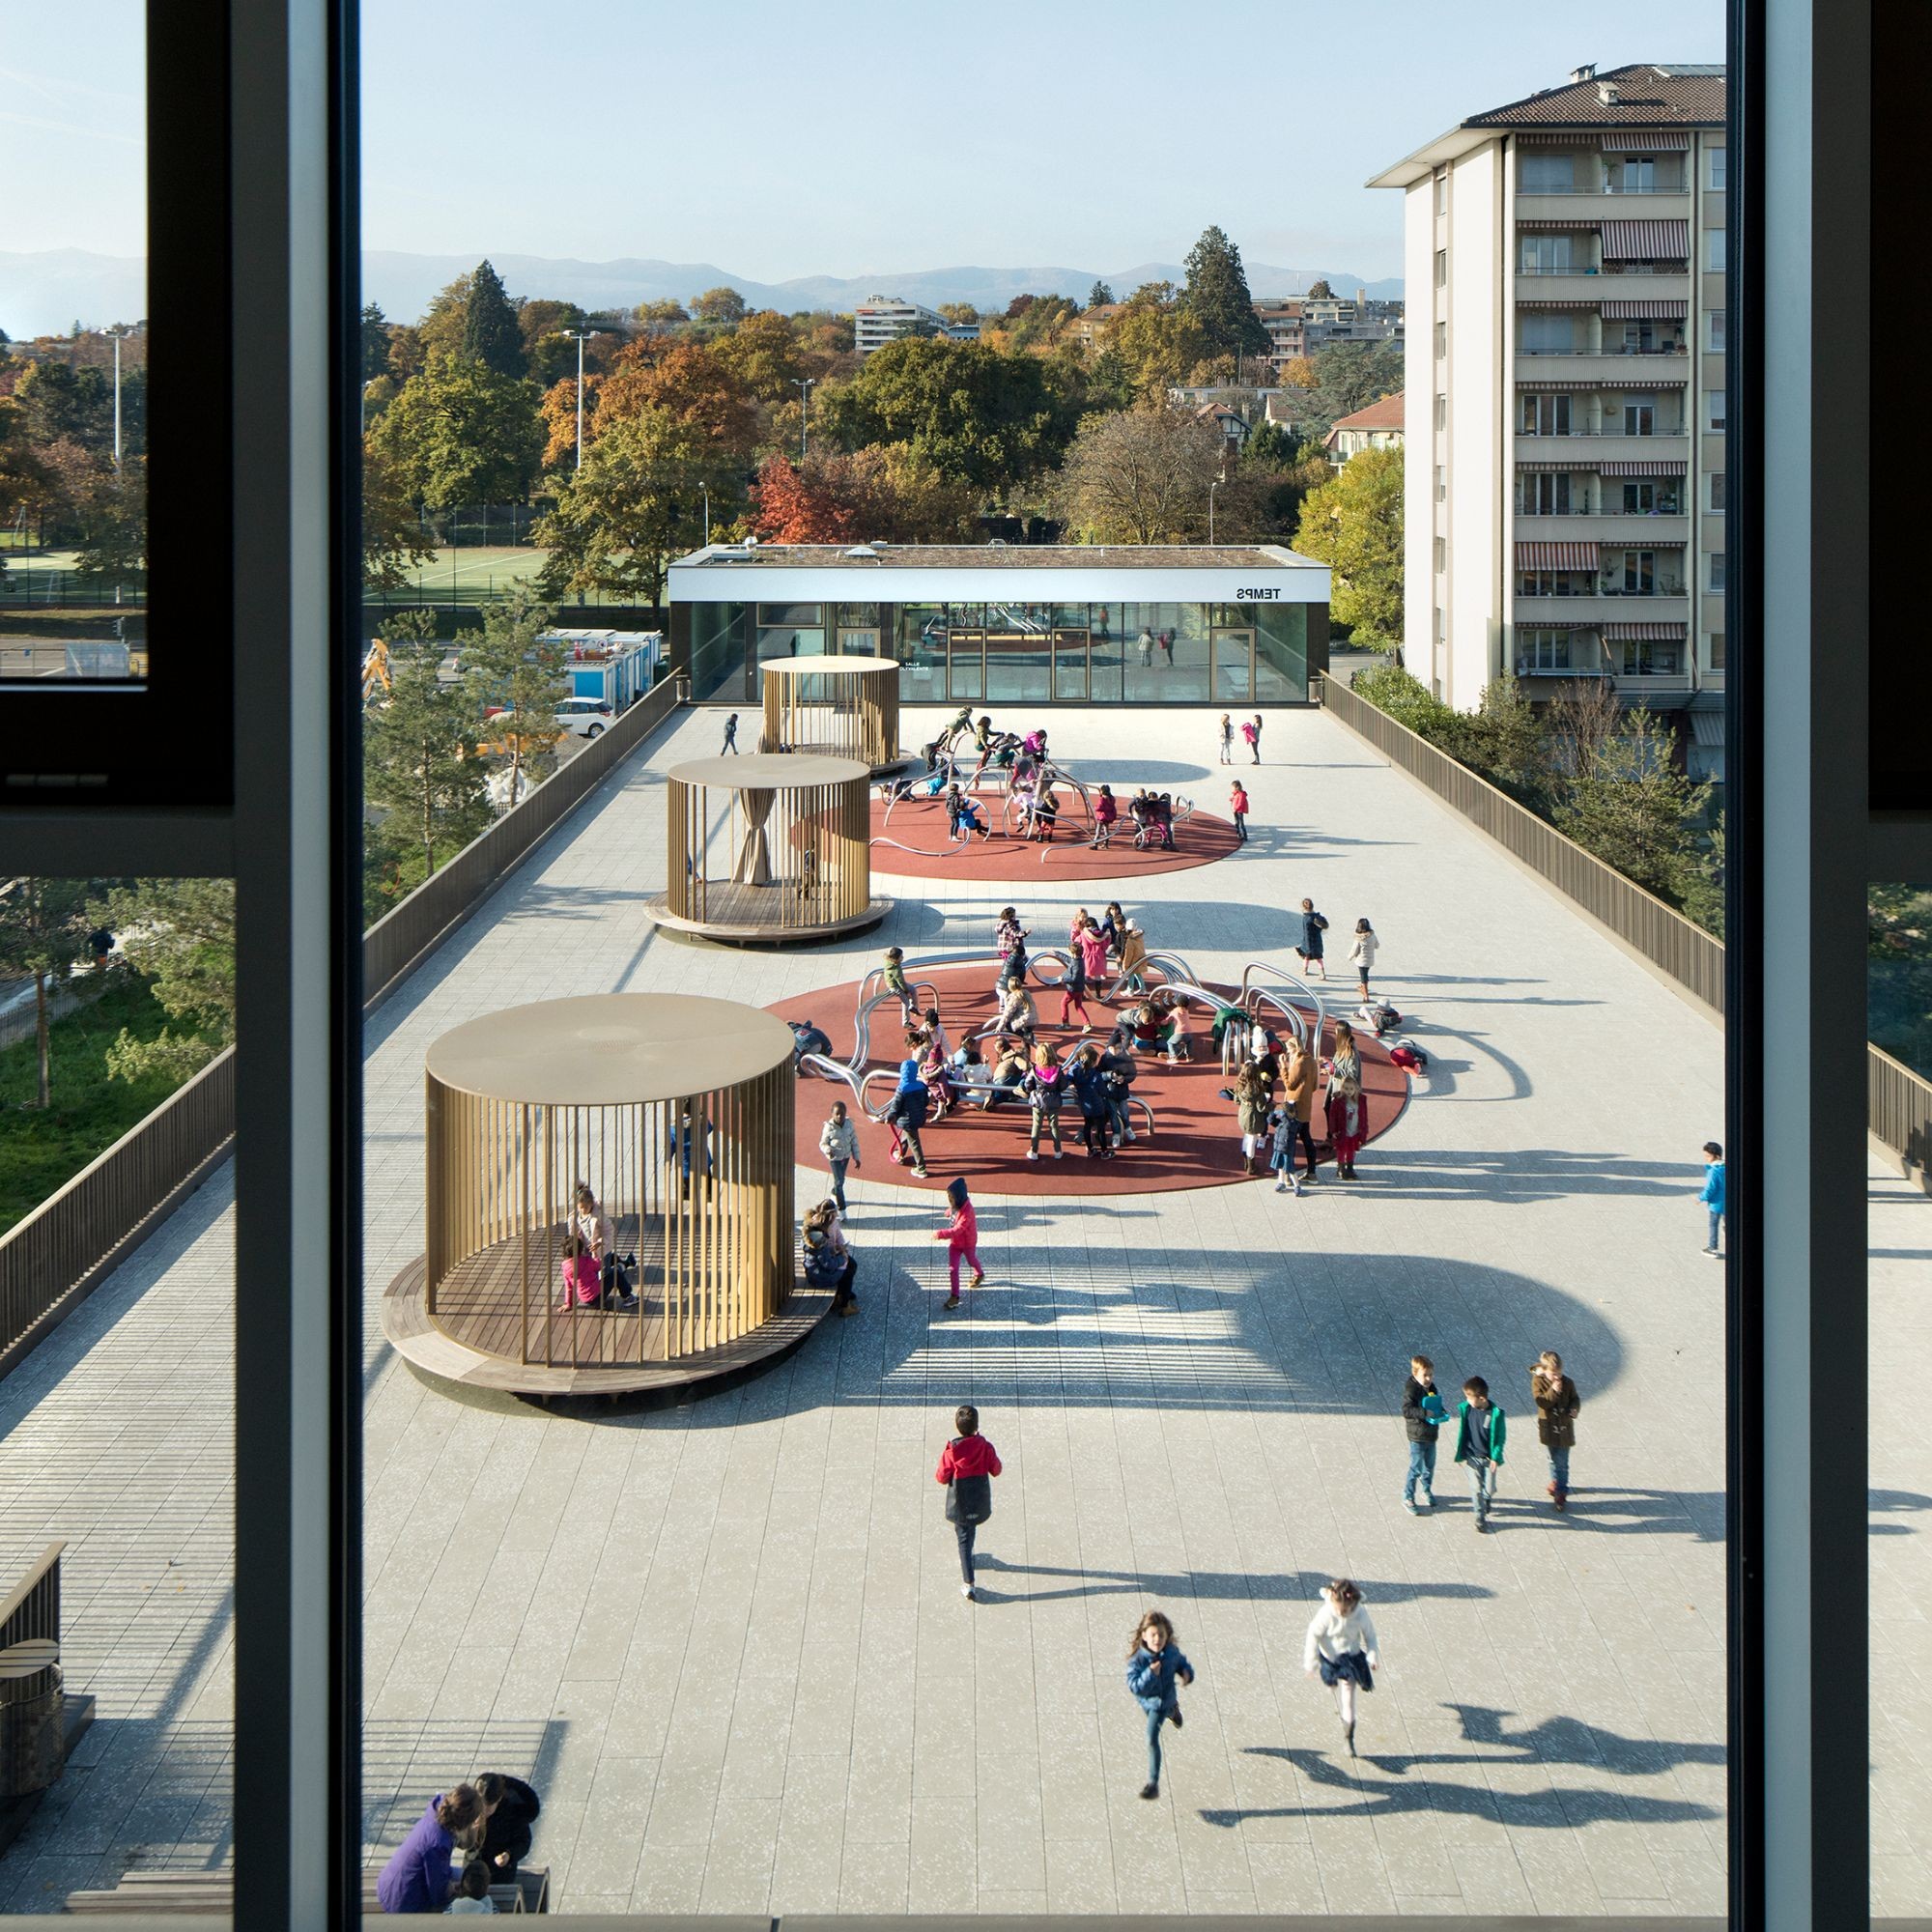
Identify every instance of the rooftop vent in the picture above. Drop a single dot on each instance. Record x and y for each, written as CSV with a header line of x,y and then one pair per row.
x,y
1607,93
863,551
1580,74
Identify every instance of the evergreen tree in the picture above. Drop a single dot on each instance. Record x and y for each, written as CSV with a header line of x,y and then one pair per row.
x,y
512,665
44,929
1099,296
1219,298
375,342
1319,291
491,333
180,932
1629,804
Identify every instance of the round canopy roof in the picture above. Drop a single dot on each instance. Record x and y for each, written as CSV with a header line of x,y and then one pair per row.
x,y
609,1049
830,665
770,771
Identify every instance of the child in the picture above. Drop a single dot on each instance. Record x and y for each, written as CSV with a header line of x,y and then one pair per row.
x,y
893,980
1341,1643
1422,1416
967,1467
1156,1668
1227,739
1281,1148
1480,1430
1106,816
472,1890
1362,956
1557,1405
828,1260
839,1143
1074,988
1237,802
1017,1012
1313,925
1713,1196
961,1235
906,1115
1251,731
1010,942
583,1280
1133,958
1043,1087
1348,1125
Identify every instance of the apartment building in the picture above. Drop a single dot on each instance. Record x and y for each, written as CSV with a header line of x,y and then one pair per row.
x,y
1379,426
1303,323
1565,490
884,319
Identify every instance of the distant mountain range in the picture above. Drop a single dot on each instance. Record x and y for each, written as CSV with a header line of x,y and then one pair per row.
x,y
44,294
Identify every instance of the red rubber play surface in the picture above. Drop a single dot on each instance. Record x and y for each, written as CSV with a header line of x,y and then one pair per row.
x,y
920,825
1195,1142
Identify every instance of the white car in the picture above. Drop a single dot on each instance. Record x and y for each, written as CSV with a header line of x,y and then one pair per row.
x,y
586,717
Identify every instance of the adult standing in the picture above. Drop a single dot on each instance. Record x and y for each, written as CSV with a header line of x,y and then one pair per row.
x,y
1145,647
730,735
1362,956
511,1808
1299,1077
967,1467
1227,739
1341,1643
1344,1059
417,1877
1250,1094
1557,1406
1313,925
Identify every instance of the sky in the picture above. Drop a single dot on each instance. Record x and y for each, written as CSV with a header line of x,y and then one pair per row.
x,y
780,140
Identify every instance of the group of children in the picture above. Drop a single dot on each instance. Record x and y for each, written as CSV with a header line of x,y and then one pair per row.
x,y
1482,1433
1280,1125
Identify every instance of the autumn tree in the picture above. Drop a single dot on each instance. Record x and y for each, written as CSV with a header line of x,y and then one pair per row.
x,y
459,432
888,493
723,305
691,383
490,335
180,933
762,354
1353,525
394,539
44,929
514,665
662,315
444,321
1217,297
958,312
549,348
1319,291
1159,341
419,760
558,410
1140,476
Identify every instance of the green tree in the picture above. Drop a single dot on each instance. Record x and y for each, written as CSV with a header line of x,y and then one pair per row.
x,y
722,305
113,540
634,505
1628,803
961,312
394,539
1099,296
1268,442
1159,341
491,335
459,432
1505,740
515,665
1217,297
1350,376
44,929
1140,476
1353,525
180,933
419,759
1319,291
762,353
375,342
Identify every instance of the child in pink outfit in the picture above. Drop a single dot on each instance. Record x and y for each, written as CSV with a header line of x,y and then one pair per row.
x,y
583,1280
961,1235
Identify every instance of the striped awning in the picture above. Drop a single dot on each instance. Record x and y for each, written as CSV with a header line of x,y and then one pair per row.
x,y
1562,463
1643,634
1707,728
1645,311
1641,468
1657,141
1541,226
1550,137
1556,557
1542,384
1555,301
1646,240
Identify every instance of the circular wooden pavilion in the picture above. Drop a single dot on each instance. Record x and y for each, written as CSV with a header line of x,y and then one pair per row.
x,y
768,849
847,707
676,1111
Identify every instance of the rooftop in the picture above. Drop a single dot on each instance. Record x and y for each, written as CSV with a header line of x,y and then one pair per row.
x,y
1645,94
1384,414
1002,557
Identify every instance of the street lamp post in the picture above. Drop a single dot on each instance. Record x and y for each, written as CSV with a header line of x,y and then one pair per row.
x,y
705,490
803,384
116,334
1211,488
579,335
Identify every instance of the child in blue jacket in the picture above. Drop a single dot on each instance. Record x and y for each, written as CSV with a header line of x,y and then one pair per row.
x,y
1713,1196
1156,1668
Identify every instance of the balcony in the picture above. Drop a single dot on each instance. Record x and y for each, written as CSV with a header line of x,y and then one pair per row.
x,y
1598,204
1600,526
1601,607
1609,368
1609,444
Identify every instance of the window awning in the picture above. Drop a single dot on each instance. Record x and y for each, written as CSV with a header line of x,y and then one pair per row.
x,y
1645,311
1563,463
1570,222
1541,383
1552,137
1620,469
1646,240
1542,623
1643,634
1657,141
1556,557
1555,301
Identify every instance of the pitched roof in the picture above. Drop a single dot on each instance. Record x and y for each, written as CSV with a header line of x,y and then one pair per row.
x,y
1647,97
1384,414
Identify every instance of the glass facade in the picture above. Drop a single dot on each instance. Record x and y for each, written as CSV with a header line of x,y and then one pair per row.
x,y
1015,653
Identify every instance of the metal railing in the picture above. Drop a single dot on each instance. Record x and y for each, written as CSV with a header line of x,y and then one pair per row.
x,y
32,1607
56,1256
1899,1107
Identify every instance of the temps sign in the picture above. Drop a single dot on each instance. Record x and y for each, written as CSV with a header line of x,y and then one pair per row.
x,y
1265,594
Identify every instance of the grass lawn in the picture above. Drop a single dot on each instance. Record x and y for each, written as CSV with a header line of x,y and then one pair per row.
x,y
90,1112
474,574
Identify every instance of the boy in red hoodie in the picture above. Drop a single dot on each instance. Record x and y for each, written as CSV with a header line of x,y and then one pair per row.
x,y
967,1467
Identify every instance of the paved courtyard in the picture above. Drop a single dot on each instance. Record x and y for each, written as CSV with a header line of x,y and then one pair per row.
x,y
725,1640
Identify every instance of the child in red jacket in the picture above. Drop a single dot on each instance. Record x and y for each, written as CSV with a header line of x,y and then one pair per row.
x,y
967,1467
961,1235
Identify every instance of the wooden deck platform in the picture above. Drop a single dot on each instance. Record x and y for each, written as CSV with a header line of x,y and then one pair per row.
x,y
473,1339
747,915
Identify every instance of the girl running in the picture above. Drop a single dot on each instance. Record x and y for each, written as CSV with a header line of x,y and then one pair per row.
x,y
961,1235
1341,1643
1156,1669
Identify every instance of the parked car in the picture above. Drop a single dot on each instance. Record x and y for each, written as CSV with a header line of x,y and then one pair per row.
x,y
586,717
